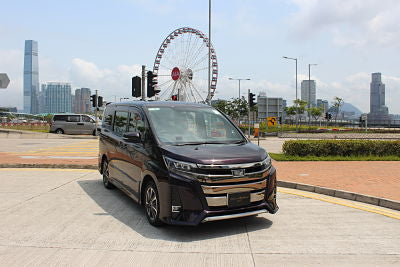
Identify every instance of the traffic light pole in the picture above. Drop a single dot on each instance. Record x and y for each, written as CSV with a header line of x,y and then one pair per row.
x,y
248,108
143,82
96,108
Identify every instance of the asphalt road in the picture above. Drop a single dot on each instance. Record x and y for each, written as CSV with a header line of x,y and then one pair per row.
x,y
66,217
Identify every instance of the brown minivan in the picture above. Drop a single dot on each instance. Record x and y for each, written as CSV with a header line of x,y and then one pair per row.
x,y
185,163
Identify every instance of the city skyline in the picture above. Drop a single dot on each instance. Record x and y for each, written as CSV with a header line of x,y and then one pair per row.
x,y
247,44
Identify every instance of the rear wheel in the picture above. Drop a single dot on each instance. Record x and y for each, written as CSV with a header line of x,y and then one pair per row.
x,y
152,204
59,131
106,175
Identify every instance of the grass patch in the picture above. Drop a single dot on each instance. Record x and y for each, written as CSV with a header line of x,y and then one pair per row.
x,y
32,128
283,157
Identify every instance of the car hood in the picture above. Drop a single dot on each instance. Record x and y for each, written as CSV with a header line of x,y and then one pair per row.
x,y
216,153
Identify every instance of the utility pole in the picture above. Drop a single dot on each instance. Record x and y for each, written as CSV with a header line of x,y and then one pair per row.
x,y
209,54
96,108
248,108
143,82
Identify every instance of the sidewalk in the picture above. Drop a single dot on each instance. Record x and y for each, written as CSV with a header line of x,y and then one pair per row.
x,y
374,178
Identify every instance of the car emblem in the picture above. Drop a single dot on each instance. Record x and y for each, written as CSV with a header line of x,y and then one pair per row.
x,y
238,172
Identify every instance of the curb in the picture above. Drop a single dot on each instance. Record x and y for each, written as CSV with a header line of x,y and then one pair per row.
x,y
382,202
50,166
21,134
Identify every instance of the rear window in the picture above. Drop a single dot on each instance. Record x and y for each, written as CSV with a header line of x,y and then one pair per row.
x,y
60,118
73,118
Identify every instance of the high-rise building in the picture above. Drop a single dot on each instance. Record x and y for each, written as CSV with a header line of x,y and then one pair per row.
x,y
270,106
377,98
82,100
324,104
42,100
379,113
308,92
31,77
58,97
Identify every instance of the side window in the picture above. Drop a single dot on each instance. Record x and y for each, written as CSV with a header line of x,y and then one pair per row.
x,y
136,123
60,117
86,119
120,122
107,118
73,118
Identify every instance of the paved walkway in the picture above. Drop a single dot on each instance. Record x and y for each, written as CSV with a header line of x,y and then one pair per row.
x,y
375,178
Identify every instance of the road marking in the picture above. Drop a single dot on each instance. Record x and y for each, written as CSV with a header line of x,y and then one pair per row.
x,y
48,169
359,206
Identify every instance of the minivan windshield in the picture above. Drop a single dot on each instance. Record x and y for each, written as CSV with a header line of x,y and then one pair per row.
x,y
192,125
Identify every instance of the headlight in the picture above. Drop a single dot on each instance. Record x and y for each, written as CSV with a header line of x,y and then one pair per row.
x,y
173,164
267,162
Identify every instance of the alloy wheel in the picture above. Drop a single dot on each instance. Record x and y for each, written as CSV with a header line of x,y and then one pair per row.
x,y
151,203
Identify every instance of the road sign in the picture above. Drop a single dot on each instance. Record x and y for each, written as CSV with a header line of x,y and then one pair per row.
x,y
4,80
364,117
272,121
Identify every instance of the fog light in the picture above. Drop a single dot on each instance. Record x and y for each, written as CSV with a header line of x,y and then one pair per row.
x,y
176,208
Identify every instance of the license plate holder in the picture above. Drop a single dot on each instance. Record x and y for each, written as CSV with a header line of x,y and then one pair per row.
x,y
238,199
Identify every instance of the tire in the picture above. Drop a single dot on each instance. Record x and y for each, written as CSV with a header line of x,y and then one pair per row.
x,y
106,181
94,133
59,131
152,204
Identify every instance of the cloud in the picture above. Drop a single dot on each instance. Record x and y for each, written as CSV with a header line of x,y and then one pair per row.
x,y
111,83
349,22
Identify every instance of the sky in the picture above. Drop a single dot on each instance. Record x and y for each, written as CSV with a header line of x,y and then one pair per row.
x,y
102,44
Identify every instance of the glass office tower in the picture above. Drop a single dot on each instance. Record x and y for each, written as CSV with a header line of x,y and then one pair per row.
x,y
31,77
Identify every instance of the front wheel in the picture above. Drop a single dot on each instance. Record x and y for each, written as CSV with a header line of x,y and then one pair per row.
x,y
152,204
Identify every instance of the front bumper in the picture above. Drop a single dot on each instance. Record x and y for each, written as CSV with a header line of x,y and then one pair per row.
x,y
191,203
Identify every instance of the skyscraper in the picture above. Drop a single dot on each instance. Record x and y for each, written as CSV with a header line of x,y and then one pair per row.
x,y
379,113
58,97
377,98
82,100
308,92
31,77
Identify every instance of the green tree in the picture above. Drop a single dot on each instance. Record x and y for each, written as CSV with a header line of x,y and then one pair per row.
x,y
337,105
222,105
315,112
291,112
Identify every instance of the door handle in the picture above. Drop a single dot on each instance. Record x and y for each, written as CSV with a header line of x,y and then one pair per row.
x,y
80,123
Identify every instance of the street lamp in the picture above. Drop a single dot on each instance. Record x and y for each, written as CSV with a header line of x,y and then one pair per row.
x,y
309,83
295,59
239,82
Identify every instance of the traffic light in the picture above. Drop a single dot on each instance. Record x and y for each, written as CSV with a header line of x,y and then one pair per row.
x,y
136,86
93,100
151,84
251,99
174,97
280,120
100,101
326,116
329,116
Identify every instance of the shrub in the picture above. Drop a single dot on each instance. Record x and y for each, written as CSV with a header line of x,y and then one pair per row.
x,y
341,148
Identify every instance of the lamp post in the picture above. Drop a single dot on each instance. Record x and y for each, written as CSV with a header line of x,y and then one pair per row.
x,y
247,79
295,59
297,115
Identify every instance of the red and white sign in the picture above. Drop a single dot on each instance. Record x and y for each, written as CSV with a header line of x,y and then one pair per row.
x,y
175,74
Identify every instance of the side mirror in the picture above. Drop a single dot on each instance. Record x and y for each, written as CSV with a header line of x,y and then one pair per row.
x,y
132,137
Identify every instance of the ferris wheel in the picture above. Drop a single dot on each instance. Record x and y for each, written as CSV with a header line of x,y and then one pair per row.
x,y
181,67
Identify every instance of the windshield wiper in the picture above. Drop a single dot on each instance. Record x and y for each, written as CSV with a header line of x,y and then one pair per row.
x,y
200,143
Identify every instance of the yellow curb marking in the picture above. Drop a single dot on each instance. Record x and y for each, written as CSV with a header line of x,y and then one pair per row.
x,y
47,169
387,213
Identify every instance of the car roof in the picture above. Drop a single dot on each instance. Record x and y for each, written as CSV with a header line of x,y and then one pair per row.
x,y
158,104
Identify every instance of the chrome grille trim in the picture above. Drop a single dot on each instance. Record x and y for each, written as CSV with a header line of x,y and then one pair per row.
x,y
231,166
231,216
223,200
222,189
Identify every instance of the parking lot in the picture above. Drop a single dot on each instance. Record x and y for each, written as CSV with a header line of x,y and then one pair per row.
x,y
66,217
